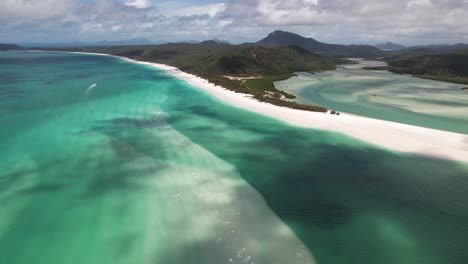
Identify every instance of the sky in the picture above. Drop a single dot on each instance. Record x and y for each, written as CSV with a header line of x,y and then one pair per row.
x,y
416,22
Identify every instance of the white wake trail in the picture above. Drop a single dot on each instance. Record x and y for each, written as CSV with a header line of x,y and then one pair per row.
x,y
90,88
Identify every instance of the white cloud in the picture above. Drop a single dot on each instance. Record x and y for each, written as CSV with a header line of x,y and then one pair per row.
x,y
210,9
289,13
19,10
139,3
340,21
359,20
90,27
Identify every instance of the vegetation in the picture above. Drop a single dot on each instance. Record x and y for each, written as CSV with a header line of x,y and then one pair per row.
x,y
266,84
432,49
450,67
217,62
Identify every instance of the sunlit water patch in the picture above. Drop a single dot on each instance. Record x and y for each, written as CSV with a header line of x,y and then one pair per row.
x,y
143,168
384,95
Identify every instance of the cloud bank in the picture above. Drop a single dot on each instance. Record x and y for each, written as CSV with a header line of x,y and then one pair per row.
x,y
338,21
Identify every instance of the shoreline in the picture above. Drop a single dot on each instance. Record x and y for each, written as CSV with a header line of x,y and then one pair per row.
x,y
386,134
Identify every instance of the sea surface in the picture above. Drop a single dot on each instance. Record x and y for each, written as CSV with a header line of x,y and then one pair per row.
x,y
105,161
384,95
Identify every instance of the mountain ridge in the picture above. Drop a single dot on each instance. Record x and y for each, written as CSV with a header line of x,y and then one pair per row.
x,y
430,49
284,38
389,46
133,41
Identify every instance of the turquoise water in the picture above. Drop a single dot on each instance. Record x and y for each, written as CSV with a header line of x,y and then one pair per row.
x,y
146,169
384,95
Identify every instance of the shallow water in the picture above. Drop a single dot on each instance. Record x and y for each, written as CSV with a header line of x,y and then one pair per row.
x,y
384,95
146,169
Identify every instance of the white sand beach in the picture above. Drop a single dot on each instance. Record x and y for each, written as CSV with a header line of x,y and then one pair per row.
x,y
390,135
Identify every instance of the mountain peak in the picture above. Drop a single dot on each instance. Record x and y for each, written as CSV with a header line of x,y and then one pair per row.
x,y
389,46
283,38
281,33
278,32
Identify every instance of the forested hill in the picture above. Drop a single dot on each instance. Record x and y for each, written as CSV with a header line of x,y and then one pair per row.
x,y
450,67
283,38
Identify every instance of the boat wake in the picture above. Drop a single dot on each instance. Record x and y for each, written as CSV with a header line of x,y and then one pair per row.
x,y
90,88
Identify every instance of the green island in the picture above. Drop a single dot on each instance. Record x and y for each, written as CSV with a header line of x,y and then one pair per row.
x,y
245,68
4,47
448,67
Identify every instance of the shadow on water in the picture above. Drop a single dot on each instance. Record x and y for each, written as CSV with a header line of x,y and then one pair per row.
x,y
150,122
7,92
127,140
322,189
10,78
104,168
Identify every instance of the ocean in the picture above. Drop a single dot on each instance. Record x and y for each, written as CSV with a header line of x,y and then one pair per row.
x,y
106,161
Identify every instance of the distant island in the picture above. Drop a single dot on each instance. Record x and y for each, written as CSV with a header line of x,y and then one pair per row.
x,y
10,47
135,41
433,49
75,44
449,67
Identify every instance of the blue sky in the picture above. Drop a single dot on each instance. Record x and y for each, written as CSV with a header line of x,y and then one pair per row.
x,y
334,21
